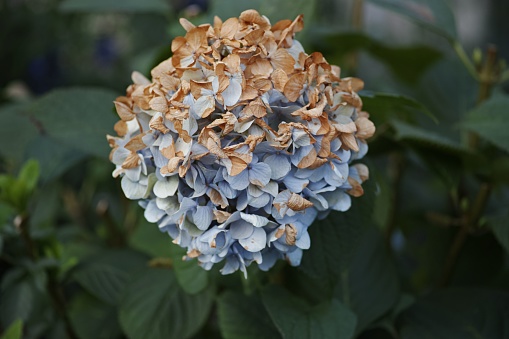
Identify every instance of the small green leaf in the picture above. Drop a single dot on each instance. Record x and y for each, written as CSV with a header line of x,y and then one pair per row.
x,y
295,319
500,227
29,174
101,6
434,15
14,331
244,317
106,274
154,306
457,313
491,121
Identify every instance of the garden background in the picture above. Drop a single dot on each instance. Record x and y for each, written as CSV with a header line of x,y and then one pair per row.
x,y
423,254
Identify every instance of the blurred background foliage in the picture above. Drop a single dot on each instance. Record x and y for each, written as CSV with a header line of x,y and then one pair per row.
x,y
423,254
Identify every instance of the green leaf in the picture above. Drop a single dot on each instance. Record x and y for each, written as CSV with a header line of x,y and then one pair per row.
x,y
190,276
428,138
336,237
106,274
149,239
434,15
16,302
16,131
500,226
294,318
78,117
244,317
29,174
408,63
386,106
491,121
14,331
154,306
101,6
457,314
348,253
93,319
371,286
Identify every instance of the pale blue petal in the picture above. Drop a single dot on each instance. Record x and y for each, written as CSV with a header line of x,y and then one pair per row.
x,y
294,184
239,181
255,242
203,217
294,257
152,212
259,174
241,229
255,220
279,165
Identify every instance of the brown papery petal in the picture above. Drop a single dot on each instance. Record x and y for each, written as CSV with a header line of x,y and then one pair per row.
x,y
229,28
363,171
283,60
308,160
255,37
221,216
121,128
123,111
357,190
298,203
159,104
349,142
132,161
186,24
136,143
279,78
291,234
157,123
294,86
365,128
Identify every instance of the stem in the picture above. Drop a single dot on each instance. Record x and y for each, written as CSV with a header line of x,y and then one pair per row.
x,y
57,299
458,48
115,236
54,290
21,223
487,78
486,82
466,227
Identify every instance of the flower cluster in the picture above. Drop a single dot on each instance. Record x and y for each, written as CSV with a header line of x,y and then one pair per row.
x,y
240,141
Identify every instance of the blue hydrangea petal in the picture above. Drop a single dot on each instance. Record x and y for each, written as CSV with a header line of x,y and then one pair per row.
x,y
279,164
256,241
259,174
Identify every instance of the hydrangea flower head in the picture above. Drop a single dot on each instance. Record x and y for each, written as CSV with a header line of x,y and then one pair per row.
x,y
240,141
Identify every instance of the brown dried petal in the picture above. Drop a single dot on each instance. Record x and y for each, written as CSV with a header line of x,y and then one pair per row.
x,y
298,203
291,234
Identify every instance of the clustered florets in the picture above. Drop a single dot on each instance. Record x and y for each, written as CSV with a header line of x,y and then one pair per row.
x,y
240,141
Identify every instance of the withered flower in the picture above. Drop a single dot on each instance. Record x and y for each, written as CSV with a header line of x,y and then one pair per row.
x,y
240,141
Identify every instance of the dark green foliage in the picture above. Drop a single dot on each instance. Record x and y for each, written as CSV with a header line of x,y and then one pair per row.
x,y
423,254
